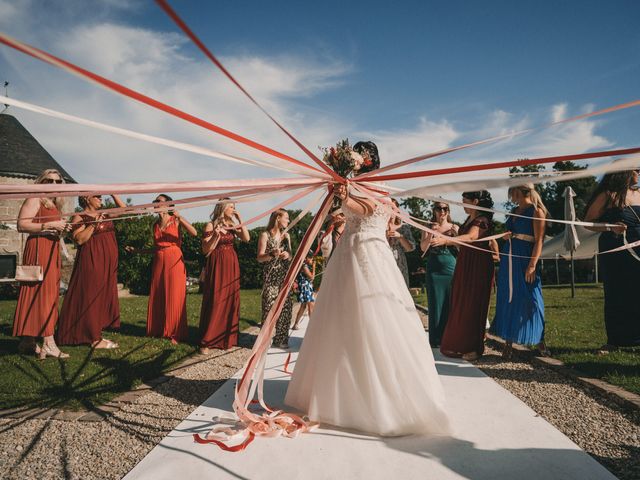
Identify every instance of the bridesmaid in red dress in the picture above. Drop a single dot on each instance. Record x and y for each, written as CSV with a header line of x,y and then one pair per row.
x,y
37,309
219,316
471,285
167,311
91,303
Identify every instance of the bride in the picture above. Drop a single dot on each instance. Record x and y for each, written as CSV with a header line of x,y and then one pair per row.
x,y
365,362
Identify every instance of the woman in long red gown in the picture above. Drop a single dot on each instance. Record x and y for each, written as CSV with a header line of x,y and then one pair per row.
x,y
37,309
91,303
220,312
471,285
167,311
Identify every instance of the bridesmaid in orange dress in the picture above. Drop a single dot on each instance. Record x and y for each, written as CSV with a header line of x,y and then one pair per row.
x,y
37,309
220,313
167,312
91,303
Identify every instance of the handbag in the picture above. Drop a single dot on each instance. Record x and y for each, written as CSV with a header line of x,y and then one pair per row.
x,y
30,273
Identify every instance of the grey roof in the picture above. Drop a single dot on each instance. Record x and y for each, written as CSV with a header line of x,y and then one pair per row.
x,y
21,155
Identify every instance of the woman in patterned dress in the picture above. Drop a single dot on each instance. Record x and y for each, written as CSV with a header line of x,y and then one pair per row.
x,y
274,251
37,309
401,242
220,312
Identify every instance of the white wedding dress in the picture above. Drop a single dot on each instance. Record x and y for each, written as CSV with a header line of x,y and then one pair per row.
x,y
365,362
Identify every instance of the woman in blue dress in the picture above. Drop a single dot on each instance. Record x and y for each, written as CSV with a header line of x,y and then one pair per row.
x,y
617,200
519,305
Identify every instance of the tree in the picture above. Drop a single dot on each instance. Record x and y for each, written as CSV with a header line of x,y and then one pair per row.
x,y
418,208
134,270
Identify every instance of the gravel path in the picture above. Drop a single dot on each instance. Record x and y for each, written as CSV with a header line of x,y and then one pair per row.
x,y
108,449
600,427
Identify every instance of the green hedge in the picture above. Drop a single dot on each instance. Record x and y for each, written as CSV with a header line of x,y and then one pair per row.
x,y
135,269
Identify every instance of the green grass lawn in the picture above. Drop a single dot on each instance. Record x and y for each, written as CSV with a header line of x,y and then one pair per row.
x,y
89,378
575,331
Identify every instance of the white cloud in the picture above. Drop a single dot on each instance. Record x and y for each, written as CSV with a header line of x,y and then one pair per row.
x,y
153,63
9,10
426,136
559,112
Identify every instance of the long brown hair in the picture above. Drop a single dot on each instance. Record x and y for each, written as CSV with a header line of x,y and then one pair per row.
x,y
616,185
273,219
396,219
58,202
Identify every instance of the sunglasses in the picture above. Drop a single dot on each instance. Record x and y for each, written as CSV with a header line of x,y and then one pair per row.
x,y
99,197
51,180
441,209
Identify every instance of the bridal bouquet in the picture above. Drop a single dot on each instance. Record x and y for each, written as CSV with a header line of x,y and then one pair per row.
x,y
343,159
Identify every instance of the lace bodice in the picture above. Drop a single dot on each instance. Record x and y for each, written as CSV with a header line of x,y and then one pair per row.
x,y
374,224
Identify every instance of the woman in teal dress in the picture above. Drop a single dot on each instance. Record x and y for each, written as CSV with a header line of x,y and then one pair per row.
x,y
519,305
441,263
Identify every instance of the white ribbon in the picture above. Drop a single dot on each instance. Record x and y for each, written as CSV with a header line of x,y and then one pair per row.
x,y
158,140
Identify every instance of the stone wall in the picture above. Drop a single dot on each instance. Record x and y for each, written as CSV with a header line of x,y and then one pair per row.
x,y
10,240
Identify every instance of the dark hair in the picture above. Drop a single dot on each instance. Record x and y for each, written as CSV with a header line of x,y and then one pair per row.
x,y
370,150
484,201
82,201
166,197
617,184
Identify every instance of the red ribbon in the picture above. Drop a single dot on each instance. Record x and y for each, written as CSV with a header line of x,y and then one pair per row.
x,y
512,163
194,38
404,163
235,448
116,87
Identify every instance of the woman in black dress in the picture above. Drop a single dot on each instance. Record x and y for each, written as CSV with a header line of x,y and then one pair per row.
x,y
617,200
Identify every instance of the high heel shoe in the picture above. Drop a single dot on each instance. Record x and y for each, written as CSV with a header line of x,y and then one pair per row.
x,y
47,351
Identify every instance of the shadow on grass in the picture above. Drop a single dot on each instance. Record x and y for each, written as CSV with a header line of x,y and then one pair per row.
x,y
82,389
585,286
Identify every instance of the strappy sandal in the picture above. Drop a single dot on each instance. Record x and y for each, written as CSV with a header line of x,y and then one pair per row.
x,y
107,344
543,351
47,351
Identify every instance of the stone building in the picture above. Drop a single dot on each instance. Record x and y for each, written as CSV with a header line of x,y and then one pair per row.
x,y
22,159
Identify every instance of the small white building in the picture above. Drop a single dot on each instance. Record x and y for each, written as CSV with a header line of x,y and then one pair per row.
x,y
22,159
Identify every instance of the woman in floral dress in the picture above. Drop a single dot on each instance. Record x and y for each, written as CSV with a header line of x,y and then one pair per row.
x,y
274,251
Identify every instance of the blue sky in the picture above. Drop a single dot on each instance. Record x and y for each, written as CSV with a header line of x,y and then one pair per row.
x,y
415,76
453,59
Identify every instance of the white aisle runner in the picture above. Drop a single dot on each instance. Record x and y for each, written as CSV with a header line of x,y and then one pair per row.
x,y
496,436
